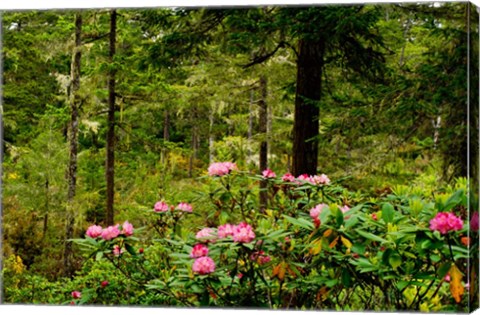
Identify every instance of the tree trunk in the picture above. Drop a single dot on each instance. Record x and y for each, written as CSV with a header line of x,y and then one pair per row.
x,y
250,125
262,129
193,156
211,139
73,132
110,164
308,93
166,126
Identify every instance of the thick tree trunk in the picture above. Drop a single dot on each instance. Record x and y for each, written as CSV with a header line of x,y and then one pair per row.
x,y
110,163
308,93
72,137
262,129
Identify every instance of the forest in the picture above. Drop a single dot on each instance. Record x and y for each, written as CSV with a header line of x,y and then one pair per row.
x,y
318,157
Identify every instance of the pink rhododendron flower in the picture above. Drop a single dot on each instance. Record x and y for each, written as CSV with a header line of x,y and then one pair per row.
x,y
447,278
474,221
117,251
268,173
288,177
206,234
307,178
243,233
199,250
110,232
344,208
185,207
445,222
221,168
127,228
76,294
315,212
321,180
260,257
94,231
203,265
160,207
225,230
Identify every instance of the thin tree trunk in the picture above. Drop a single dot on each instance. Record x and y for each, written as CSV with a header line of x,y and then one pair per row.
x,y
308,93
193,156
73,132
166,126
262,129
211,139
110,163
47,209
250,125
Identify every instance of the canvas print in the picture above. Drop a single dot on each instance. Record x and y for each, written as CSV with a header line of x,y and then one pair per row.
x,y
320,157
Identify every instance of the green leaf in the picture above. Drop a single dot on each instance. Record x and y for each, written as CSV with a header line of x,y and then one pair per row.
x,y
339,217
99,256
358,248
300,222
371,236
130,249
324,215
395,260
454,200
386,256
388,212
352,221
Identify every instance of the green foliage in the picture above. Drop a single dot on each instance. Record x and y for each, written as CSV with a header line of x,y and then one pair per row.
x,y
184,100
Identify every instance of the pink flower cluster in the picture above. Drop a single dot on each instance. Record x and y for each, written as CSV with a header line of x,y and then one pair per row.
x,y
314,180
160,207
345,208
117,251
260,257
185,207
110,232
203,265
243,233
288,177
315,211
221,168
445,222
198,251
225,230
206,235
76,294
268,173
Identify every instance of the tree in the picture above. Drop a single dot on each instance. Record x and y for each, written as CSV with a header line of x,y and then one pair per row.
x,y
110,162
74,101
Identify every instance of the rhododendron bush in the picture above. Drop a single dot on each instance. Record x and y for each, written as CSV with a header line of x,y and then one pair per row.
x,y
316,246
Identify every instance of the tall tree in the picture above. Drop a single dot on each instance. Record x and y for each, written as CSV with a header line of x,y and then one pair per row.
x,y
262,124
110,163
74,101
